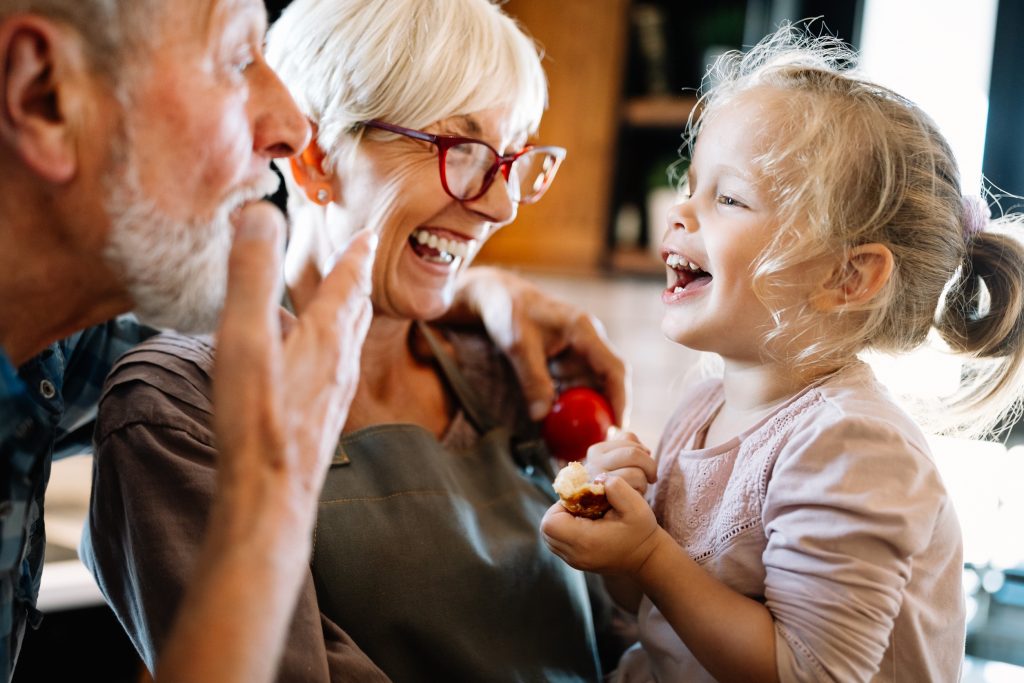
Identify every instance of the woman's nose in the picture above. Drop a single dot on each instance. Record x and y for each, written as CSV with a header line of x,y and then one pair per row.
x,y
496,205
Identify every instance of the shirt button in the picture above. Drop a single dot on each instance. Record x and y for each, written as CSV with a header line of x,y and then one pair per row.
x,y
47,389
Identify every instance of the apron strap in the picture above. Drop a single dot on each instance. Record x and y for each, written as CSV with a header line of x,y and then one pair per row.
x,y
530,454
478,415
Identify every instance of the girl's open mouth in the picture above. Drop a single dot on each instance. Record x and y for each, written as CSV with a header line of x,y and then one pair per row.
x,y
684,275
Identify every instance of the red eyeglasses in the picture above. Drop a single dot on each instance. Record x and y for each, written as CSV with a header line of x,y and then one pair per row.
x,y
468,166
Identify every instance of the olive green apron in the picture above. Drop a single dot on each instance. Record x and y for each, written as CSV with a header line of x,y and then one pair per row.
x,y
432,560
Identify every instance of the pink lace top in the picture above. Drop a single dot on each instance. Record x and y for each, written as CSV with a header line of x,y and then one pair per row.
x,y
829,511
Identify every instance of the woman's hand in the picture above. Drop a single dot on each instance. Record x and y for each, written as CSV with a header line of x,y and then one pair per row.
x,y
542,336
623,456
618,543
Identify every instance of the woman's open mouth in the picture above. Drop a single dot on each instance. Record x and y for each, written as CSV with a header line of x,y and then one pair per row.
x,y
684,275
440,247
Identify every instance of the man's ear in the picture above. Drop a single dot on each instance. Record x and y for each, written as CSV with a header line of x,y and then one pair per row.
x,y
37,59
852,284
308,172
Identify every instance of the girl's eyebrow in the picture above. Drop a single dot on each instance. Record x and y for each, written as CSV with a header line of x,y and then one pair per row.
x,y
728,170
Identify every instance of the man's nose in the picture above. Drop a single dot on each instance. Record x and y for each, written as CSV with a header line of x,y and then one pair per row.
x,y
280,129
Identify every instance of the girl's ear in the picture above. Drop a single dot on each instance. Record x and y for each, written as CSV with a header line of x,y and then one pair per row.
x,y
308,172
852,284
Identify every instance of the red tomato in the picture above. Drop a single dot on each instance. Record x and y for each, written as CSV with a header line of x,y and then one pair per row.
x,y
580,418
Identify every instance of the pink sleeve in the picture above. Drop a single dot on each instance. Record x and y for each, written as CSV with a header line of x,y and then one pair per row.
x,y
848,503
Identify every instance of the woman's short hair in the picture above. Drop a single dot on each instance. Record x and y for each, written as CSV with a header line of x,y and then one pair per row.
x,y
407,62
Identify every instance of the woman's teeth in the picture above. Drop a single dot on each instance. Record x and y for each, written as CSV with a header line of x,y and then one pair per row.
x,y
448,249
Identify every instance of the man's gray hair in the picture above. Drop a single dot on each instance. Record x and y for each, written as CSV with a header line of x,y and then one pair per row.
x,y
111,30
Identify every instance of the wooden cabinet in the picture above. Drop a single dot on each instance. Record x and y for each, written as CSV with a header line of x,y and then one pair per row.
x,y
584,43
622,78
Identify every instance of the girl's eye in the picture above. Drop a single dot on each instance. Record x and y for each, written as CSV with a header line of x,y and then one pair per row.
x,y
728,201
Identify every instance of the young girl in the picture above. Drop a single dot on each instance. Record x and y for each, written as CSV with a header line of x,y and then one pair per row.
x,y
799,529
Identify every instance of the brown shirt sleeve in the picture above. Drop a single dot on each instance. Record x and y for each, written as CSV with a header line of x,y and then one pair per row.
x,y
154,479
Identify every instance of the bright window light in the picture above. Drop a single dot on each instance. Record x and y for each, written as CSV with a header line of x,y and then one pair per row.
x,y
938,53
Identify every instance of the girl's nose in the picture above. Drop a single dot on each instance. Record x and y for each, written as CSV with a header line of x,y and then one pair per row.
x,y
682,217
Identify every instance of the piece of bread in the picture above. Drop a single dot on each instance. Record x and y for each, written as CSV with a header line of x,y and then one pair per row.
x,y
578,493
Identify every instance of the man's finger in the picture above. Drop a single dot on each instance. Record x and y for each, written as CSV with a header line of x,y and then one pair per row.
x,y
253,283
351,273
249,323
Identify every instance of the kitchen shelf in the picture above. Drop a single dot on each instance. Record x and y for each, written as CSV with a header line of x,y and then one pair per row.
x,y
658,111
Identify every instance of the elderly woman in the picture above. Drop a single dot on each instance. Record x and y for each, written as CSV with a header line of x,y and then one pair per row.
x,y
427,556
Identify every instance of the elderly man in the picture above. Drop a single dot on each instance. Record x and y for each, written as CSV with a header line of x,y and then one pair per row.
x,y
125,167
134,139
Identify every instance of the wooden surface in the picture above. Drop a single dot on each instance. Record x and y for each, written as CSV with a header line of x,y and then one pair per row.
x,y
658,111
583,42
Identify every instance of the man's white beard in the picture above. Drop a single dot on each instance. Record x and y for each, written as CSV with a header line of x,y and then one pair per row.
x,y
174,271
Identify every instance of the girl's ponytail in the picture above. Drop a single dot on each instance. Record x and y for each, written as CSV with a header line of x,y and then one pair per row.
x,y
982,318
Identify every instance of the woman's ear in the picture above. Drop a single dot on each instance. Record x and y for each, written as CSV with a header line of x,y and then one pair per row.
x,y
308,171
41,63
852,284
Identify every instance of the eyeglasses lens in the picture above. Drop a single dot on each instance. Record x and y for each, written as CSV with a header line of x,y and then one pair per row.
x,y
470,166
532,173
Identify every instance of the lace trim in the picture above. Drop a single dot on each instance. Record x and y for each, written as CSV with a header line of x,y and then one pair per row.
x,y
706,503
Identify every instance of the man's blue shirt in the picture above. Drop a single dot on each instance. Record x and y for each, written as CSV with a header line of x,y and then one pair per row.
x,y
47,409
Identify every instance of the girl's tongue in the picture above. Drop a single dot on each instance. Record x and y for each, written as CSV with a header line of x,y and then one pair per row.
x,y
685,275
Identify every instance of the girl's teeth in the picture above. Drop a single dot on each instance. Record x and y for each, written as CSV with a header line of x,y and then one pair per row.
x,y
676,261
432,241
422,236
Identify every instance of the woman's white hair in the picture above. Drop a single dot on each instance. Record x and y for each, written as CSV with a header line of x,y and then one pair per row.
x,y
407,62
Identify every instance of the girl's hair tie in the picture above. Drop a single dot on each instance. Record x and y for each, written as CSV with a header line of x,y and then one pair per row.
x,y
976,215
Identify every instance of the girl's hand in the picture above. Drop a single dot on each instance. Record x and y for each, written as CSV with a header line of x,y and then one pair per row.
x,y
625,457
618,543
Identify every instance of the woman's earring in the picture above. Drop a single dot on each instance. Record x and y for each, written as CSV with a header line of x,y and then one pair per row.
x,y
320,193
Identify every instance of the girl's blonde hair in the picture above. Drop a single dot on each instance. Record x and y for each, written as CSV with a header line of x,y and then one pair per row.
x,y
850,162
407,62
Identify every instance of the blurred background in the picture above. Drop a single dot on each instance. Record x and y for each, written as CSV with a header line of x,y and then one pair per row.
x,y
623,75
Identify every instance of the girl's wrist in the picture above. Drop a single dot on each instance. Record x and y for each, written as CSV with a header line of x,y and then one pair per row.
x,y
661,548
